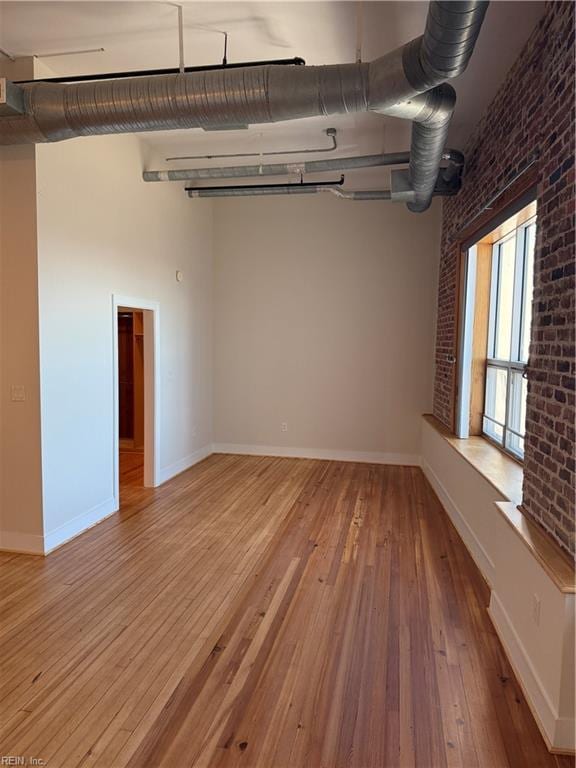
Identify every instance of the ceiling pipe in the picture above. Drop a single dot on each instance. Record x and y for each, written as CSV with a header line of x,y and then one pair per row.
x,y
249,190
330,132
369,194
279,169
455,158
302,187
296,61
228,97
452,29
448,183
257,190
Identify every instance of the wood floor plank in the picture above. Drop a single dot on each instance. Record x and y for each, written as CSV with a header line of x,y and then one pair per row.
x,y
261,613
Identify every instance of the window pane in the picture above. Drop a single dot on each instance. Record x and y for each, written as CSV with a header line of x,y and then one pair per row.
x,y
503,336
493,430
517,412
528,291
506,322
495,404
515,444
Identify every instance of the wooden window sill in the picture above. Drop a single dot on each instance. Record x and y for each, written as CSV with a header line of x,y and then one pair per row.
x,y
501,471
505,475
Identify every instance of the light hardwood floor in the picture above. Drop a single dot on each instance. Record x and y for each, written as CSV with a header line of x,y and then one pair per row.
x,y
261,612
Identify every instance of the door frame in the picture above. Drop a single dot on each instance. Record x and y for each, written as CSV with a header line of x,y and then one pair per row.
x,y
151,317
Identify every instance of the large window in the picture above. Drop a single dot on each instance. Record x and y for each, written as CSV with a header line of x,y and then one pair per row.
x,y
511,287
495,331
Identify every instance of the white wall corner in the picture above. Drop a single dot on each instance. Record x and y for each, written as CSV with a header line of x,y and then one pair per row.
x,y
24,543
558,731
466,532
78,524
543,665
166,473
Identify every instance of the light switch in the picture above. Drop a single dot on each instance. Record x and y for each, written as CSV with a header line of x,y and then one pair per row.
x,y
18,393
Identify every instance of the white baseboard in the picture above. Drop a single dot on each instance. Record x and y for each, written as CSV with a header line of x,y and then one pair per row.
x,y
78,525
365,457
166,473
558,732
54,539
23,543
565,739
467,534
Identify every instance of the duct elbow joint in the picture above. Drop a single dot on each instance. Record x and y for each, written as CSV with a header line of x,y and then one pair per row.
x,y
439,106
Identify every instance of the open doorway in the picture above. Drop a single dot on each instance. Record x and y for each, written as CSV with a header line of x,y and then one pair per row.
x,y
135,344
131,396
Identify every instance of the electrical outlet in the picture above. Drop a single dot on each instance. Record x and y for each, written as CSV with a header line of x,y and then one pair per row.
x,y
284,427
536,609
17,393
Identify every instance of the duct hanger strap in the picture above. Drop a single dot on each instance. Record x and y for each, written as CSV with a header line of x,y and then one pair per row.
x,y
11,99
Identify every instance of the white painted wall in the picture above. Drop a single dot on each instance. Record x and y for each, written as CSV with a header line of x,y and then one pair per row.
x,y
20,468
102,230
540,652
324,319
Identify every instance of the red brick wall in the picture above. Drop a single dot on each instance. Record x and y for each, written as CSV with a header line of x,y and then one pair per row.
x,y
532,115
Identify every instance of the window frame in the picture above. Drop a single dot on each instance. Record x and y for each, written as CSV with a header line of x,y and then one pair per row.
x,y
520,306
520,193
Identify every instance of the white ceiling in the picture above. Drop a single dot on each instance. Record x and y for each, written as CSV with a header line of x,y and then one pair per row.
x,y
143,35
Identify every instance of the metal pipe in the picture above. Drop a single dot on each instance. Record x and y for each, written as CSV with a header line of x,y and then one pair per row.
x,y
58,54
181,65
225,97
330,132
7,55
454,156
300,184
229,96
427,143
296,61
359,29
369,194
287,189
308,187
442,189
264,189
279,169
383,194
254,190
452,29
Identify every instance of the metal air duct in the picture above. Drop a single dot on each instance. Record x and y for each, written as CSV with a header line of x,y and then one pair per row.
x,y
289,189
279,169
263,94
304,187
